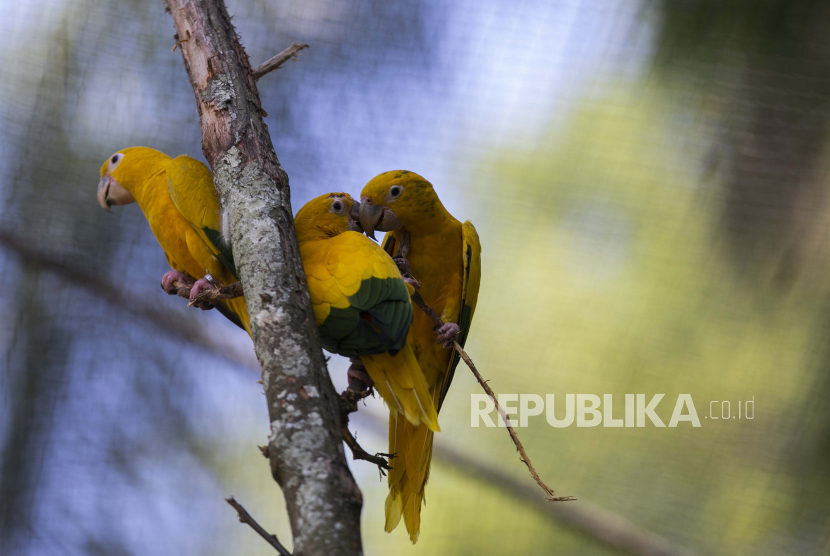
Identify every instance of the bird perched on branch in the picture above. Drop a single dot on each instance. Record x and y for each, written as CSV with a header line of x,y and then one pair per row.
x,y
361,304
179,201
444,256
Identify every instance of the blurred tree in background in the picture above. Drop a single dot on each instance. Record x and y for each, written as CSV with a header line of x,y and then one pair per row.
x,y
765,68
637,228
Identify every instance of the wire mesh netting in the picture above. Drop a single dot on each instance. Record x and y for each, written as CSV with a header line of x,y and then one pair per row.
x,y
648,181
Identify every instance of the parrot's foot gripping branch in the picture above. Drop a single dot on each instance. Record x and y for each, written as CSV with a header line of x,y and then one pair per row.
x,y
406,271
207,294
359,380
447,334
173,280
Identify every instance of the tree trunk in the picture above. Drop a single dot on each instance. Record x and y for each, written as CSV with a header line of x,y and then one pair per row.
x,y
305,447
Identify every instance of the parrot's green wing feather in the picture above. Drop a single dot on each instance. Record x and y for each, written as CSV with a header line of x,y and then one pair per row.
x,y
471,255
345,332
221,248
369,308
190,184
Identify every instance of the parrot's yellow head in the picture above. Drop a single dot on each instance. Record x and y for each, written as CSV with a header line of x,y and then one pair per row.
x,y
124,172
399,199
327,216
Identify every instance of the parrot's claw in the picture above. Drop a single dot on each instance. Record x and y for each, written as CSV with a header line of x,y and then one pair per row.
x,y
358,372
174,276
409,279
201,285
406,271
402,264
448,334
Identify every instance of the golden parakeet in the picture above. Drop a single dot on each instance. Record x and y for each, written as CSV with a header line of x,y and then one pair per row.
x,y
362,306
445,257
180,203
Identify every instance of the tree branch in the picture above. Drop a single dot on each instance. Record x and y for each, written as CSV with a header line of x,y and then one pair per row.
x,y
171,323
245,517
274,63
305,445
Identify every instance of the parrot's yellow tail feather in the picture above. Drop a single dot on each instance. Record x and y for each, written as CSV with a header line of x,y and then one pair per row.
x,y
412,445
401,384
412,515
394,509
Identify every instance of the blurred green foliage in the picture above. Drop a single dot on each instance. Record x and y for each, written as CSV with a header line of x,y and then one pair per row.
x,y
693,28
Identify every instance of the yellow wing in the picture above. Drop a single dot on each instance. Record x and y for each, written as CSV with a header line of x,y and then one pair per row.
x,y
190,184
471,257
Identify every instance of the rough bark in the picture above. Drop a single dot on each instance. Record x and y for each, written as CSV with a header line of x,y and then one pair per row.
x,y
305,446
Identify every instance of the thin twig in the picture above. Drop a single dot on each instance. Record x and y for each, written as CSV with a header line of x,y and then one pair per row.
x,y
245,517
274,63
430,312
551,496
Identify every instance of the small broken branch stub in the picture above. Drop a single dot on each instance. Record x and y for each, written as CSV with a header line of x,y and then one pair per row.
x,y
277,61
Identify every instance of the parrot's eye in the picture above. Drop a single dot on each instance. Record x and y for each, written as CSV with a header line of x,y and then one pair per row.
x,y
116,158
395,191
337,207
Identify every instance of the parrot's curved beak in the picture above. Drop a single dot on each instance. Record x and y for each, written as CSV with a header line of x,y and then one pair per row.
x,y
354,218
110,192
377,217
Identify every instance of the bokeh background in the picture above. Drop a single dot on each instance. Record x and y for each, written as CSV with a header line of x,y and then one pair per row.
x,y
648,179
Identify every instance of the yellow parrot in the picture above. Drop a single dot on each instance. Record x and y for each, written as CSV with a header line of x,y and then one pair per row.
x,y
445,257
362,306
180,203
